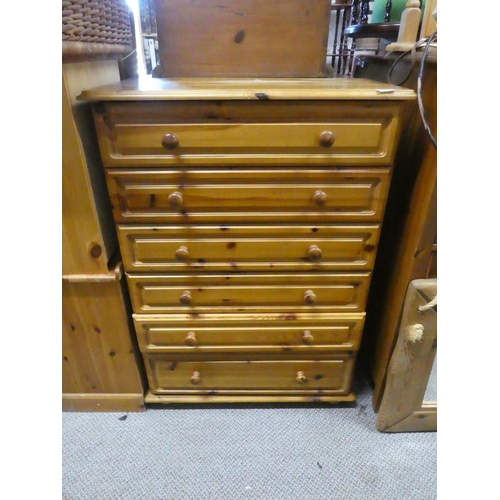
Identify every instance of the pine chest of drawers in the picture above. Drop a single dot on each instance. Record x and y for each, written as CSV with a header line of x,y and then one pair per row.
x,y
248,214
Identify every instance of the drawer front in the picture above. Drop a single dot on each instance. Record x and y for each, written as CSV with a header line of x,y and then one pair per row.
x,y
162,133
236,333
233,248
237,195
341,292
170,375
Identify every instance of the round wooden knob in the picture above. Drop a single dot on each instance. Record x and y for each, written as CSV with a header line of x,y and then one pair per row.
x,y
170,141
175,200
310,297
182,253
301,378
319,197
314,253
307,337
326,139
191,339
195,378
186,298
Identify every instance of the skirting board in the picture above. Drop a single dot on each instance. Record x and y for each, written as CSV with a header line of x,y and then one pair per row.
x,y
103,402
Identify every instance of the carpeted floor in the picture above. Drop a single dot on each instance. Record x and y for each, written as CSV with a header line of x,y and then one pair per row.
x,y
237,452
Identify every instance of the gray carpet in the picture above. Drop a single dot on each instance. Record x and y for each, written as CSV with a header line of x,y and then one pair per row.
x,y
237,452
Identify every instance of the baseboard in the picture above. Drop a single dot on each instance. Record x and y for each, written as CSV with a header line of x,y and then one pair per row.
x,y
103,402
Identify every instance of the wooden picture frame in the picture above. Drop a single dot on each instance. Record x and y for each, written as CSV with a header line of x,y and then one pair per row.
x,y
403,408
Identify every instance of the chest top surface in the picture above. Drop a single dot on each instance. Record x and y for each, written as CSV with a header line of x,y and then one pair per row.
x,y
162,89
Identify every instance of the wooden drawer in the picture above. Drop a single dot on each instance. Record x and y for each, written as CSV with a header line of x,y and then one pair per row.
x,y
213,133
335,194
214,333
171,375
244,248
339,292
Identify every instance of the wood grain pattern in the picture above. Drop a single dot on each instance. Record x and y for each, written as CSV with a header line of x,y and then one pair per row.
x,y
332,292
89,239
102,369
283,38
169,375
81,227
242,133
146,140
226,195
100,354
270,333
248,248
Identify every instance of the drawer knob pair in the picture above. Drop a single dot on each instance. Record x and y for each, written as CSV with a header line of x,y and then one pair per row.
x,y
170,141
195,379
175,200
191,339
314,253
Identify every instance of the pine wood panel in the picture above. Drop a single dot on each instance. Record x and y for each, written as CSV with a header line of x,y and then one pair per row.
x,y
83,242
100,353
170,376
284,38
146,140
336,292
300,333
89,239
406,248
410,365
244,248
334,194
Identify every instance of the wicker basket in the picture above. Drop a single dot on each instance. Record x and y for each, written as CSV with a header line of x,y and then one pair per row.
x,y
96,26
